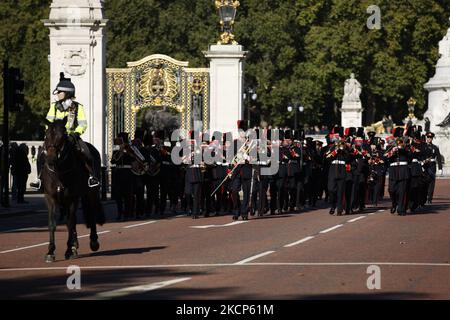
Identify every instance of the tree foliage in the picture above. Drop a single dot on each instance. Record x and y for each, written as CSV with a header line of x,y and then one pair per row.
x,y
300,51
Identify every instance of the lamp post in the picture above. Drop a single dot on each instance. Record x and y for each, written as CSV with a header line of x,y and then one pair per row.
x,y
227,12
250,95
296,108
411,107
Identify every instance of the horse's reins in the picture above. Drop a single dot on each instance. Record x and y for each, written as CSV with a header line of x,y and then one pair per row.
x,y
58,155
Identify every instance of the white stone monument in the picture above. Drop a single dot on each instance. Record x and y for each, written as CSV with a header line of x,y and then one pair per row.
x,y
226,87
78,48
439,101
351,105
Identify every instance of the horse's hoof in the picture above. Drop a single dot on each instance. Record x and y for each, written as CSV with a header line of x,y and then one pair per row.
x,y
71,254
50,258
95,245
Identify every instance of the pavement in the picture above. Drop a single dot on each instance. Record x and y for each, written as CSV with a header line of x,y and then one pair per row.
x,y
308,255
35,203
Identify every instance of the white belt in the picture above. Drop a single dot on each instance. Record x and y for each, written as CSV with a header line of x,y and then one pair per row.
x,y
433,160
166,163
194,166
124,167
415,160
338,162
395,164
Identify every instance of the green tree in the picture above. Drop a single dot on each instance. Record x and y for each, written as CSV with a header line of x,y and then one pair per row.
x,y
300,51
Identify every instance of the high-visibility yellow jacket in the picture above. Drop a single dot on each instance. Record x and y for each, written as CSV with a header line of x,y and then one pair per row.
x,y
76,123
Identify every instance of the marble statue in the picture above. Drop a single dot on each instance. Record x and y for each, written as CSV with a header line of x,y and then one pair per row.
x,y
352,90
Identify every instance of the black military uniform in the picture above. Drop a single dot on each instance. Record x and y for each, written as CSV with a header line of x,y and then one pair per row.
x,y
193,181
241,179
293,169
360,176
122,178
282,178
153,156
219,173
433,157
399,177
139,188
337,176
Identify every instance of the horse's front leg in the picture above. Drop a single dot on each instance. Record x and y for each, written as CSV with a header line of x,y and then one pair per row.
x,y
50,257
72,241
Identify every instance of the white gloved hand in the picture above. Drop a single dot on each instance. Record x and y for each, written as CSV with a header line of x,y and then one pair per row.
x,y
441,172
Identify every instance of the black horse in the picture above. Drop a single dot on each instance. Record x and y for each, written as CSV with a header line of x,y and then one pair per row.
x,y
65,182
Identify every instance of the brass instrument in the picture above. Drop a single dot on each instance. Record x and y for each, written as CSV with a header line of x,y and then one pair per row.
x,y
138,167
238,158
154,167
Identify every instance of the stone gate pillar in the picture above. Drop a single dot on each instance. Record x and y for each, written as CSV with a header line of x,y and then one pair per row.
x,y
78,48
226,87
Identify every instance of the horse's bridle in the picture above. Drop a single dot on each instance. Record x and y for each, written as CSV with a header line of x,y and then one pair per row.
x,y
59,149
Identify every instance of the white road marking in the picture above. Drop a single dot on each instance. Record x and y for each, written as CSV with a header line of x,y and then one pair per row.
x,y
139,224
46,243
24,248
298,242
254,257
25,229
215,265
136,290
331,229
219,225
98,233
356,219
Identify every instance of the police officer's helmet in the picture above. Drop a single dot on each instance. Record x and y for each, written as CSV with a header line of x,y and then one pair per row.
x,y
65,85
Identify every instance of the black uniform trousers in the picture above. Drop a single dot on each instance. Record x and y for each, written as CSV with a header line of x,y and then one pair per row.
x,y
431,171
398,185
336,186
193,182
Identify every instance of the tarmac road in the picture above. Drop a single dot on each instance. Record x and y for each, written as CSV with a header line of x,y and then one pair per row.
x,y
309,255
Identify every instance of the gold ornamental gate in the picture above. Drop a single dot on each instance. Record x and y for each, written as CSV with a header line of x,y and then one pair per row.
x,y
154,82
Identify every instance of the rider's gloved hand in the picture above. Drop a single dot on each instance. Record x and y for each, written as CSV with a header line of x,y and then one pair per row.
x,y
76,135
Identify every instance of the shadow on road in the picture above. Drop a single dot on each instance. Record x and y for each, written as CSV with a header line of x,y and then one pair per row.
x,y
362,296
119,252
53,285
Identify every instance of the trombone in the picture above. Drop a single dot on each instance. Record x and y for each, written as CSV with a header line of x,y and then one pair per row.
x,y
244,150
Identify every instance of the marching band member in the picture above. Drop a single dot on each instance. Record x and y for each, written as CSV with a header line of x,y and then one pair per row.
x,y
433,156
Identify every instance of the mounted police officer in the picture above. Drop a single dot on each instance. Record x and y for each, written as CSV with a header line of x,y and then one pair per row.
x,y
67,107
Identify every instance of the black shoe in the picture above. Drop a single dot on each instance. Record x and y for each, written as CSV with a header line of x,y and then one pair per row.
x,y
244,218
393,209
235,218
339,213
332,211
429,202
